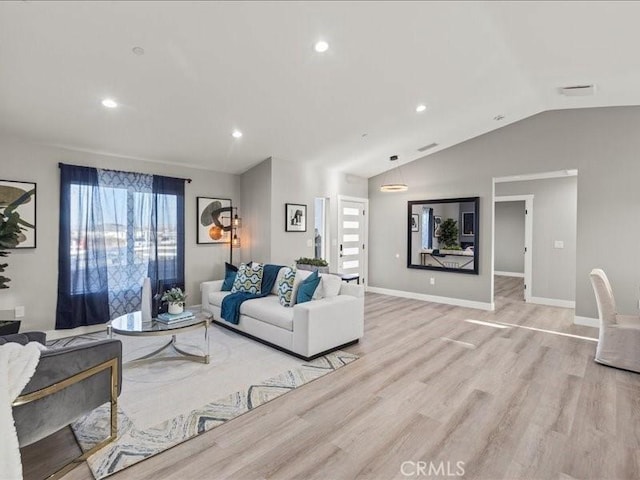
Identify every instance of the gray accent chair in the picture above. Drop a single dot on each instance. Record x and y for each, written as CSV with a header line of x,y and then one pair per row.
x,y
68,382
619,339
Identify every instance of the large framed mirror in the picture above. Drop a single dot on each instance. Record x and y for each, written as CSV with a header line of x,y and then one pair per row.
x,y
443,234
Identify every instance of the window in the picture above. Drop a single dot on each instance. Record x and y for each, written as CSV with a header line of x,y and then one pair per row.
x,y
116,228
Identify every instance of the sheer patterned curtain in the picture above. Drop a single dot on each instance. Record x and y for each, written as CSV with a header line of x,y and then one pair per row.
x,y
116,228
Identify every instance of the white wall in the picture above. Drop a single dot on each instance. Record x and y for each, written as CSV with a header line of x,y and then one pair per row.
x,y
34,272
602,143
509,240
255,234
554,218
279,182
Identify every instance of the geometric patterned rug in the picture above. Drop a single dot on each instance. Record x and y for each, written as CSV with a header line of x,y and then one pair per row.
x,y
137,442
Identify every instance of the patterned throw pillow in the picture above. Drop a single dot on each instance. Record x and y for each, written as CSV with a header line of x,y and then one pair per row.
x,y
285,287
249,278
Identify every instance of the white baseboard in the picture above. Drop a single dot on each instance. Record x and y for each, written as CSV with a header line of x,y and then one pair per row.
x,y
553,302
509,274
586,321
459,302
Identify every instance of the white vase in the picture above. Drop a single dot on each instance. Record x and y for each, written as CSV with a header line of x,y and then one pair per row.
x,y
146,300
175,308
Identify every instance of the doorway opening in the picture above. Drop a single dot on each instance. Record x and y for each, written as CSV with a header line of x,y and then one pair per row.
x,y
534,250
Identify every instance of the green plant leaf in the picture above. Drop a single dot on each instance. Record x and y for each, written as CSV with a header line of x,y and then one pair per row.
x,y
21,200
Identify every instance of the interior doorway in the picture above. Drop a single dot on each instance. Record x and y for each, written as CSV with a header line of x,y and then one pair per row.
x,y
513,237
534,253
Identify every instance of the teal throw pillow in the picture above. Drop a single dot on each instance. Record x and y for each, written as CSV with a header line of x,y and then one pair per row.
x,y
285,287
230,272
307,288
249,278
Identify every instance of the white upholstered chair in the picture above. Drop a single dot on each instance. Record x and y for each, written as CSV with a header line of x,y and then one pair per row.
x,y
619,339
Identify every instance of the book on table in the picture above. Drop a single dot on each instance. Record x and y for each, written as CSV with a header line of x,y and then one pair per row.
x,y
175,318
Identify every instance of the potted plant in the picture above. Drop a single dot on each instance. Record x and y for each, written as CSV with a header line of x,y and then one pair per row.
x,y
175,297
448,235
312,264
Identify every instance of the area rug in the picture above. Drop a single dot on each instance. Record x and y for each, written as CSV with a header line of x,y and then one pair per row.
x,y
165,403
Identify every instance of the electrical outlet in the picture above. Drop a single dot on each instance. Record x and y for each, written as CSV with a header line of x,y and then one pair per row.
x,y
432,281
558,244
19,312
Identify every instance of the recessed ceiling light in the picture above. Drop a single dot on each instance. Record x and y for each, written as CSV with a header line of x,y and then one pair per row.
x,y
236,134
138,50
109,103
421,108
321,46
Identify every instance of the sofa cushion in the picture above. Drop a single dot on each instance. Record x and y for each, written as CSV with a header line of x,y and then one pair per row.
x,y
248,278
274,290
269,310
215,298
329,286
285,287
230,272
307,288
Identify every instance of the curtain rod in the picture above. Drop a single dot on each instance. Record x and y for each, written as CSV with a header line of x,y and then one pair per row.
x,y
188,180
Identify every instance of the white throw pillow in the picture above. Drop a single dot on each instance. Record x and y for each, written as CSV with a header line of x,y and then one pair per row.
x,y
330,285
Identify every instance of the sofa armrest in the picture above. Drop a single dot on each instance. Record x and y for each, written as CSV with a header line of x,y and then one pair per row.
x,y
351,289
57,364
324,324
63,404
207,288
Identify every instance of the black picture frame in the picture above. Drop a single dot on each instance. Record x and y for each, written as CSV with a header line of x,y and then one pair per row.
x,y
415,222
27,210
204,226
476,235
468,223
295,217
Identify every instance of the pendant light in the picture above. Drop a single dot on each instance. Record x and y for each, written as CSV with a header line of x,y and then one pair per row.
x,y
391,186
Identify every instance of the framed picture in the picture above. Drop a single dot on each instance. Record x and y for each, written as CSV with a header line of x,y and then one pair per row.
x,y
415,222
20,197
437,220
295,217
468,223
214,220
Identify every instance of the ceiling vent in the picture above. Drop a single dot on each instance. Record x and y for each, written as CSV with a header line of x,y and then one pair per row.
x,y
428,147
578,90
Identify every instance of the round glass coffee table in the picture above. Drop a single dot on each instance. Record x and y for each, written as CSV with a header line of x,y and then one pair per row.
x,y
132,325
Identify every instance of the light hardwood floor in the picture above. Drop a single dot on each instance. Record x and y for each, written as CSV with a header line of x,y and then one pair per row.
x,y
512,403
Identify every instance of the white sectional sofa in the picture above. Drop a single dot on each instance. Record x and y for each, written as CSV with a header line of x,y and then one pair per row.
x,y
307,330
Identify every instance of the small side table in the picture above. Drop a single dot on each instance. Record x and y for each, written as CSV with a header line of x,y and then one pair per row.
x,y
349,277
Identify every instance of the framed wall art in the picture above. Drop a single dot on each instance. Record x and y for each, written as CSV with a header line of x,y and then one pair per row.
x,y
214,220
295,216
20,198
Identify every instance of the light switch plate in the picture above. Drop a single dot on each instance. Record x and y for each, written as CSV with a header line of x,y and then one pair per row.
x,y
432,281
19,312
558,244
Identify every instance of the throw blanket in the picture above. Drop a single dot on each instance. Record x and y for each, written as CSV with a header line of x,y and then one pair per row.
x,y
17,365
230,309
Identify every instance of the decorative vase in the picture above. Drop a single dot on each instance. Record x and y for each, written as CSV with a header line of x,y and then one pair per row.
x,y
175,308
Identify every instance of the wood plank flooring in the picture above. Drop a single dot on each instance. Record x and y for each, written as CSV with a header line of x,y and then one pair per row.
x,y
511,403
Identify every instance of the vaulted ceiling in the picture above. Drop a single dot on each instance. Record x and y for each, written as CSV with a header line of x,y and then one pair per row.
x,y
209,68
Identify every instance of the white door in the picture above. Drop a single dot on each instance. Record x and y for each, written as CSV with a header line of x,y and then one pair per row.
x,y
352,233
